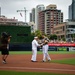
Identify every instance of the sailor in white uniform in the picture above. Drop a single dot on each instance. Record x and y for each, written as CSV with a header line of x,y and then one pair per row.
x,y
34,49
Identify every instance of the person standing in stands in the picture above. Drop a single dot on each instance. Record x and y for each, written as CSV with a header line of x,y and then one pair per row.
x,y
5,40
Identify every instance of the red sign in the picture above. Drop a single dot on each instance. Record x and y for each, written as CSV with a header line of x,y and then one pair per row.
x,y
62,44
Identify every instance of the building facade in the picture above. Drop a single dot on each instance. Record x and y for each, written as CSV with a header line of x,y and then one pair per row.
x,y
41,23
0,11
37,10
32,25
60,31
49,18
65,30
70,30
12,22
70,25
72,10
32,15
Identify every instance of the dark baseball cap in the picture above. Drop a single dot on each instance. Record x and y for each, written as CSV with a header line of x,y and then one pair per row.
x,y
4,34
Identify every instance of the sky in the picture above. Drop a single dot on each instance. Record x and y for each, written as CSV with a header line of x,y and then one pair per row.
x,y
9,7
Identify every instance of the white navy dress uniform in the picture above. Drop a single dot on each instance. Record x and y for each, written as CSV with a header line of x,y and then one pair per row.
x,y
34,49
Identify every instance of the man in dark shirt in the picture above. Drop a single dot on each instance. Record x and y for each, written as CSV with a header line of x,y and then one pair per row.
x,y
5,40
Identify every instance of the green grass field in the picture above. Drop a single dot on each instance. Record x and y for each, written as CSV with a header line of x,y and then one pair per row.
x,y
70,61
28,73
40,52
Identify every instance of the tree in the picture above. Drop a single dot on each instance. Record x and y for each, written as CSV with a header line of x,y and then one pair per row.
x,y
38,33
63,39
53,37
73,36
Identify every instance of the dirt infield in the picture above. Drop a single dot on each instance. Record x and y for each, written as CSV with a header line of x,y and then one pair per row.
x,y
23,63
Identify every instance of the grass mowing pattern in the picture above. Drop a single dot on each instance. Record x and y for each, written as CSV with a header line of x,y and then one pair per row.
x,y
70,61
40,52
28,73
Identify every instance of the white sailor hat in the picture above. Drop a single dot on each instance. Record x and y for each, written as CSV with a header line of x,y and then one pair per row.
x,y
35,37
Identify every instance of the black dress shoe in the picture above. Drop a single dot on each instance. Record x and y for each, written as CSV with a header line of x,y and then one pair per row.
x,y
33,61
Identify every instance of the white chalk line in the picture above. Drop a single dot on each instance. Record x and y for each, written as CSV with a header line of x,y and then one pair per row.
x,y
28,68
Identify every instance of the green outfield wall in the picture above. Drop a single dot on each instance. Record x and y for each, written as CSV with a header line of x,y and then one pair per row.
x,y
20,34
21,37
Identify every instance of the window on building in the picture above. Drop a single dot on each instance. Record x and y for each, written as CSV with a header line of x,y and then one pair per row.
x,y
63,28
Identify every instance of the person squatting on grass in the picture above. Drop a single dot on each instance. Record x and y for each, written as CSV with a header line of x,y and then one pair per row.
x,y
45,51
4,47
34,49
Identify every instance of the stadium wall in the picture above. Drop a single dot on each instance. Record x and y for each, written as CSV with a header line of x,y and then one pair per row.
x,y
21,36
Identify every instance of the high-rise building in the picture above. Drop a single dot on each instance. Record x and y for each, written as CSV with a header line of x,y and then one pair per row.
x,y
41,20
0,11
32,15
49,18
37,10
72,10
